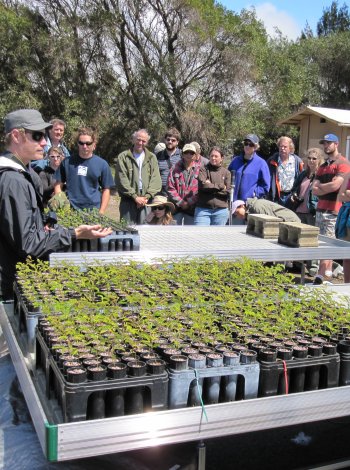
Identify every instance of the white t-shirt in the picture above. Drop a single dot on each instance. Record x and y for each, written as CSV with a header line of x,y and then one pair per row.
x,y
139,157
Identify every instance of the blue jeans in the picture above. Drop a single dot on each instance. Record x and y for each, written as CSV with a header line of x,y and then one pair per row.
x,y
204,216
182,218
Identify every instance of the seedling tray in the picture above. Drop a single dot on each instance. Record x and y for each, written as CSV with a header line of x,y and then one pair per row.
x,y
117,241
298,375
69,402
215,384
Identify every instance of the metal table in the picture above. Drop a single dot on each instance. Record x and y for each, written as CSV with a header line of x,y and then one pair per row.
x,y
228,242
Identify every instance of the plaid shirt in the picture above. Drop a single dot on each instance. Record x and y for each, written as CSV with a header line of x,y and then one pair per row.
x,y
183,184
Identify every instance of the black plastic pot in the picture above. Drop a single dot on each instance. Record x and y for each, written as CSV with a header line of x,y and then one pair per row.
x,y
179,362
135,397
76,375
96,401
248,356
115,399
211,385
155,366
196,361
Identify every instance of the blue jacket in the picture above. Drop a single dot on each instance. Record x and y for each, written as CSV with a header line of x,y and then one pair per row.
x,y
252,177
343,221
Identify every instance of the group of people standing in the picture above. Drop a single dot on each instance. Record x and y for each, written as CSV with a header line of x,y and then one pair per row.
x,y
173,186
197,188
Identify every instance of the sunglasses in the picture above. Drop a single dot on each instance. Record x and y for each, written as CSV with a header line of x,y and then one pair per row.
x,y
158,208
84,143
311,158
249,144
37,136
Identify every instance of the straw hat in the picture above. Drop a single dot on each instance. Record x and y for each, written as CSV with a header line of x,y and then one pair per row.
x,y
161,201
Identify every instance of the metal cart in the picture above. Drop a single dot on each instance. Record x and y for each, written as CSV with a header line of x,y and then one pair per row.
x,y
61,442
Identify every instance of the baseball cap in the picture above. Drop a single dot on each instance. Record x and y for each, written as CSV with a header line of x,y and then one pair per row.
x,y
253,138
329,138
29,119
189,148
237,204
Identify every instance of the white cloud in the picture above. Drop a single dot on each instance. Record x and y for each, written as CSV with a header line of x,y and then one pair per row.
x,y
272,18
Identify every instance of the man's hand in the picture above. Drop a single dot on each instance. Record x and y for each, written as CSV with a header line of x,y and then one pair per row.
x,y
141,201
90,232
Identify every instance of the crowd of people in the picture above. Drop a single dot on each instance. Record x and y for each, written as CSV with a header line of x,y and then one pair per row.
x,y
167,186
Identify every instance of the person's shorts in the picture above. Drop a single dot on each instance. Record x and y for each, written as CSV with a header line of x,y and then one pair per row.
x,y
326,223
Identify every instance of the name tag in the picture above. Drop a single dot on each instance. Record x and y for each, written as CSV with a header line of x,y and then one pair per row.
x,y
82,170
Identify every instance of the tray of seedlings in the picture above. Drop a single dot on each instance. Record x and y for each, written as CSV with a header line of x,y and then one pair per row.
x,y
113,340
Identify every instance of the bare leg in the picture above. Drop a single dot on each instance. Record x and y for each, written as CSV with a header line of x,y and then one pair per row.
x,y
325,265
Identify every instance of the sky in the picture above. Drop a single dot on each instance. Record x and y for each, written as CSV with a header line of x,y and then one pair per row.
x,y
290,16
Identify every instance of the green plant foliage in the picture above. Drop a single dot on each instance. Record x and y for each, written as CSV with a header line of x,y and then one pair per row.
x,y
203,300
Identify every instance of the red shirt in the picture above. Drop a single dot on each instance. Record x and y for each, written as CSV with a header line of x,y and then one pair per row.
x,y
325,174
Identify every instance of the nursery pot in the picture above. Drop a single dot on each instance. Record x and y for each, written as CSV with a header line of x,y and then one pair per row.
x,y
178,362
267,355
76,375
135,395
96,401
248,356
155,366
211,385
115,398
196,361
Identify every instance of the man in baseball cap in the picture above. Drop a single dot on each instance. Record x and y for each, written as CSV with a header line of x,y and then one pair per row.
x,y
22,229
28,119
329,138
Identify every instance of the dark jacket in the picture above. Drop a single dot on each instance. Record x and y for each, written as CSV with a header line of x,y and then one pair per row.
x,y
47,178
214,185
22,231
275,187
311,203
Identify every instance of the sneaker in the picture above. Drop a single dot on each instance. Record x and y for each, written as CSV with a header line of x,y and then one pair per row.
x,y
318,280
313,271
338,271
321,280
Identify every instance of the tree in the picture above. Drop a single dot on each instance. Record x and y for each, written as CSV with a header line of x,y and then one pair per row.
x,y
334,20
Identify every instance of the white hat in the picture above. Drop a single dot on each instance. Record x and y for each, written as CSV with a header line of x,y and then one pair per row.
x,y
237,204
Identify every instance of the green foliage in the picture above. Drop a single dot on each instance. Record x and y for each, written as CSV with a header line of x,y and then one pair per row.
x,y
194,64
202,300
334,20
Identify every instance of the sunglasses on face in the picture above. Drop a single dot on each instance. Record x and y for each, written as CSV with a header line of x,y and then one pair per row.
x,y
249,144
158,208
84,143
37,136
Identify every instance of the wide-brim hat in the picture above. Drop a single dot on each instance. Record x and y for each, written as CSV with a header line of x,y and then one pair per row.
x,y
29,119
161,201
